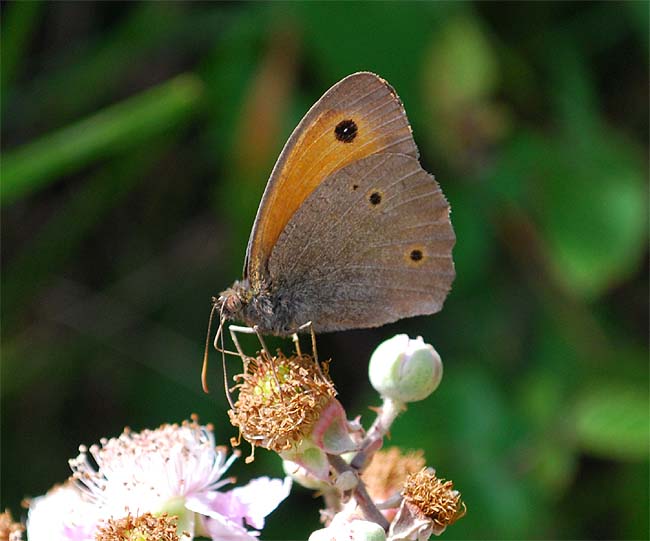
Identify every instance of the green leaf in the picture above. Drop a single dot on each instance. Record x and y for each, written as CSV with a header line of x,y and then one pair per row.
x,y
85,73
19,22
55,243
114,129
462,67
588,202
613,422
387,38
474,254
594,216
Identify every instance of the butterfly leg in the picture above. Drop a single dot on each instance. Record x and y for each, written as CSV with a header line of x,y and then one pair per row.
x,y
296,342
256,330
314,349
234,329
309,326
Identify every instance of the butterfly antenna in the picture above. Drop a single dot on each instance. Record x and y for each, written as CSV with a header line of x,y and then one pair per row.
x,y
204,370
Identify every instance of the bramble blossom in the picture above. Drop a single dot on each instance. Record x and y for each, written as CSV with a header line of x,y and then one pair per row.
x,y
174,469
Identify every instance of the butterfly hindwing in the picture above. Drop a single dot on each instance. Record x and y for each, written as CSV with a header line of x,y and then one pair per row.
x,y
372,244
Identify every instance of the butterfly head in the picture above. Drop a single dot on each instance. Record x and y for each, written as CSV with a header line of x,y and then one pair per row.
x,y
233,300
256,307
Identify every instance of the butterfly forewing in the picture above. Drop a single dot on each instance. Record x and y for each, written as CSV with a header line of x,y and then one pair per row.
x,y
358,117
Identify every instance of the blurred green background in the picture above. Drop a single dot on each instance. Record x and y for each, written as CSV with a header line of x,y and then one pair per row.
x,y
137,139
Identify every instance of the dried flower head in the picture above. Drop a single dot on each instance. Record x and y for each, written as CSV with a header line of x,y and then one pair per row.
x,y
145,527
10,530
435,498
386,474
429,506
280,399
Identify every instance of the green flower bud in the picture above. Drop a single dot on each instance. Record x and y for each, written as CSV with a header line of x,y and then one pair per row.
x,y
310,457
405,370
303,476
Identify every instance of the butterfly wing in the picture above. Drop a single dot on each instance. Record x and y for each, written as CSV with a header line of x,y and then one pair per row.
x,y
359,116
371,245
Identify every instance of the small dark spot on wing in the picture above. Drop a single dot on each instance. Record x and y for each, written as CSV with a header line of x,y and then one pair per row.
x,y
416,255
346,130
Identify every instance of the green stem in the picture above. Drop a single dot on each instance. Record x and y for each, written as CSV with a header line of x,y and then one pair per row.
x,y
106,133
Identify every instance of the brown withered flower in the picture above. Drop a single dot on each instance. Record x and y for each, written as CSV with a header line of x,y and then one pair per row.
x,y
387,472
10,530
145,527
430,505
280,399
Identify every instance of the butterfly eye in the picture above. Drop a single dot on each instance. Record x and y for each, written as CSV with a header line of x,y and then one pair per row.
x,y
346,131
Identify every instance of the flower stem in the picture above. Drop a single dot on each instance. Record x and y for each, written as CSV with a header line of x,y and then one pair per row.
x,y
374,439
363,499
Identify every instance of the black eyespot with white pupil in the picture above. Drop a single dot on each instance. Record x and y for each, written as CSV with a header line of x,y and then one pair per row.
x,y
346,131
416,255
375,198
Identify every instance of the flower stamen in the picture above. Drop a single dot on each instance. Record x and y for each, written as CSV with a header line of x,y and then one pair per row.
x,y
279,400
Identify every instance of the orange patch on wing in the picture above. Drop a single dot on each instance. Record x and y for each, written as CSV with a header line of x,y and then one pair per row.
x,y
318,148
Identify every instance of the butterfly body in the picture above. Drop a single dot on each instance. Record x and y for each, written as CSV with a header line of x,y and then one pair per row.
x,y
272,312
351,231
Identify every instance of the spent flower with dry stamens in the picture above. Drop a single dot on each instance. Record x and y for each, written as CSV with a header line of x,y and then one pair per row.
x,y
280,400
10,530
386,474
430,505
288,405
145,527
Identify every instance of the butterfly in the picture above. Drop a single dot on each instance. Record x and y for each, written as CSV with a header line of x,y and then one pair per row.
x,y
351,231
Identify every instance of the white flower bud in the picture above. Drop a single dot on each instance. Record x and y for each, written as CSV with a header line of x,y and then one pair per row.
x,y
359,530
405,370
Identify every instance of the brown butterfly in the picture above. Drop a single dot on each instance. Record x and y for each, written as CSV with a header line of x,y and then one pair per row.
x,y
351,232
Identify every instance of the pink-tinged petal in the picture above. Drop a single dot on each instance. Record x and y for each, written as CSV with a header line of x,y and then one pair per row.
x,y
249,504
260,497
221,528
331,431
78,533
61,515
217,505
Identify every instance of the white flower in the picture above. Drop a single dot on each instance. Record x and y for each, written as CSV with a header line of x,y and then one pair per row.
x,y
358,530
152,470
175,469
62,513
